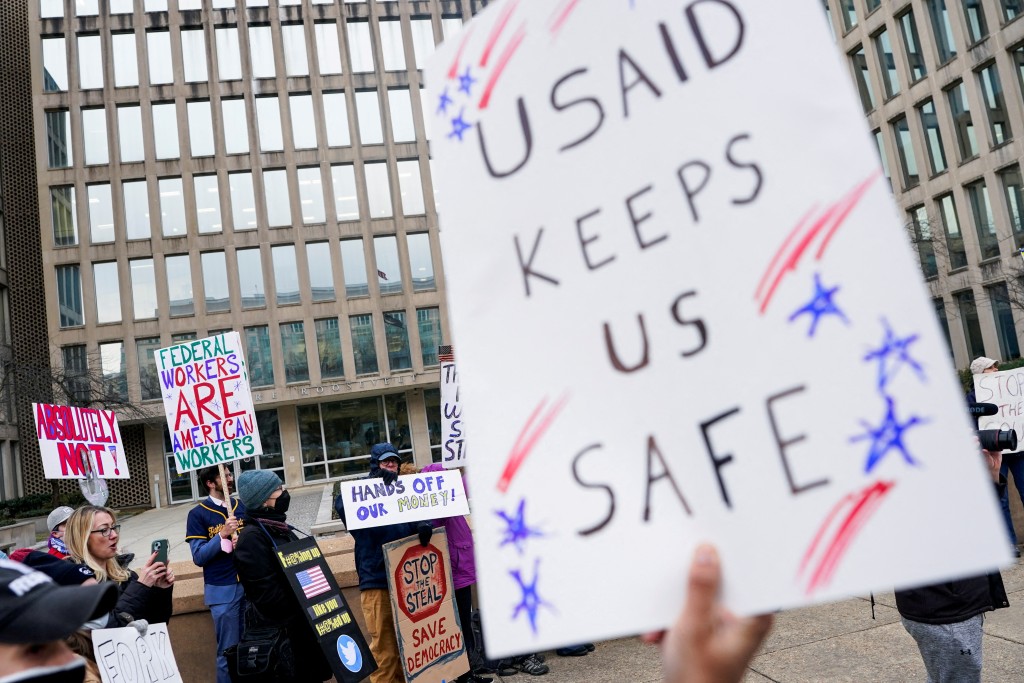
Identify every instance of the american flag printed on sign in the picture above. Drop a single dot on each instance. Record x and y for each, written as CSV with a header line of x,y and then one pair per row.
x,y
444,354
313,581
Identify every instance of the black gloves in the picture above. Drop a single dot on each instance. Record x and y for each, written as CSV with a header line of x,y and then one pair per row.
x,y
425,531
388,476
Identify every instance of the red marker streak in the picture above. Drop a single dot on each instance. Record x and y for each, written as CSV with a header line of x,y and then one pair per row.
x,y
562,14
454,70
499,26
830,222
506,54
528,438
862,507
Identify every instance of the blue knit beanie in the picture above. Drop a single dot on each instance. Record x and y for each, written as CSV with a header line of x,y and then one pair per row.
x,y
255,486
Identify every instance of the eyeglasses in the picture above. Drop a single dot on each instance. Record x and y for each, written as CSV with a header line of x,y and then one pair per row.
x,y
105,531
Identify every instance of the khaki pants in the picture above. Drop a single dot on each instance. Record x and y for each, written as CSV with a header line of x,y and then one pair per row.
x,y
380,623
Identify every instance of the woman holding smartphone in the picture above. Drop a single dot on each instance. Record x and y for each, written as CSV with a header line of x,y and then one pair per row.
x,y
91,537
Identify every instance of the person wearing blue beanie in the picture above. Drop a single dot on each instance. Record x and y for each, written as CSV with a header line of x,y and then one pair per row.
x,y
255,486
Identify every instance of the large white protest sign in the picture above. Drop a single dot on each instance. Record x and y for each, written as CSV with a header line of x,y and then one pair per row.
x,y
453,438
1005,390
686,310
205,387
76,442
123,655
412,498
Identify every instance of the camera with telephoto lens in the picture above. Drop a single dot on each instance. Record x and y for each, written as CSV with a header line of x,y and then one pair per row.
x,y
992,439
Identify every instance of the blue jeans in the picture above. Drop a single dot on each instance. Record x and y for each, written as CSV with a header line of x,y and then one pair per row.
x,y
227,621
1014,464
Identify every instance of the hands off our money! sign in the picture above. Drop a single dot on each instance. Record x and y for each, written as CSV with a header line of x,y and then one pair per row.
x,y
412,498
689,219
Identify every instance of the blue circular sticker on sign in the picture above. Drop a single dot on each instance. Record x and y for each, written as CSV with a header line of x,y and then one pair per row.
x,y
349,653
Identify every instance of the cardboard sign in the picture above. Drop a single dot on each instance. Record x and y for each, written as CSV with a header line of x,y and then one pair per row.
x,y
430,641
75,441
1005,389
453,441
686,310
209,409
123,655
412,498
326,609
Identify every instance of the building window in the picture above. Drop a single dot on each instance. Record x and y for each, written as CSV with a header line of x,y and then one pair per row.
x,y
410,185
954,238
258,357
905,150
883,158
158,44
940,312
336,119
421,265
270,438
353,262
1002,313
984,224
129,133
849,13
343,181
1011,9
942,31
136,209
311,195
977,27
873,5
193,55
1011,182
69,296
303,125
149,379
359,48
144,303
368,115
429,322
236,128
1018,60
172,207
328,52
402,127
207,204
250,278
293,347
51,8
378,189
389,274
286,276
363,348
179,285
452,26
328,346
112,367
912,46
55,65
165,120
229,62
156,5
969,319
923,239
391,46
396,337
90,63
422,31
215,282
887,64
933,137
432,405
293,38
279,209
243,201
58,139
268,118
967,144
126,60
64,216
200,128
995,105
94,132
261,52
76,373
108,292
101,214
321,275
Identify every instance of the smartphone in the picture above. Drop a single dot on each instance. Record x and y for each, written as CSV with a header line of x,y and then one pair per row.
x,y
160,548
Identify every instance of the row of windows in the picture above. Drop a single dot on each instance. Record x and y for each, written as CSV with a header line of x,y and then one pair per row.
x,y
125,211
975,20
966,306
91,8
190,44
324,348
292,280
301,111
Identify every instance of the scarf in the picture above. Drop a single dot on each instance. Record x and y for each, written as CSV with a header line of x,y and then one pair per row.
x,y
58,545
270,518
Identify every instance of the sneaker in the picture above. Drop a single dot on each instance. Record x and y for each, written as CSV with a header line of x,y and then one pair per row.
x,y
575,651
530,665
590,647
502,667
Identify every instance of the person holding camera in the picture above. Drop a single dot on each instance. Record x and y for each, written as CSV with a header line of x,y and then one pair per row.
x,y
946,619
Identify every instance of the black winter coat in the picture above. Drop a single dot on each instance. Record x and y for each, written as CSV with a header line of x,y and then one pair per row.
x,y
138,600
267,589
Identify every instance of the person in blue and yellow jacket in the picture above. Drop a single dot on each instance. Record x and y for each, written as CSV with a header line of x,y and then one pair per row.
x,y
209,531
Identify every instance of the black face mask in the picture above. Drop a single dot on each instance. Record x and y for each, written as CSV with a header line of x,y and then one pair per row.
x,y
66,673
282,502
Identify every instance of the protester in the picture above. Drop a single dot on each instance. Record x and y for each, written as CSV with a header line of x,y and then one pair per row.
x,y
373,580
209,531
56,522
36,616
708,644
91,537
63,572
946,619
270,597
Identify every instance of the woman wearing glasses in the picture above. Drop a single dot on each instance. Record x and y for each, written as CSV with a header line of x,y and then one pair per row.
x,y
91,537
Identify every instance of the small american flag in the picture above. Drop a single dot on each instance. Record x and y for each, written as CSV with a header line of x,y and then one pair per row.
x,y
382,275
313,581
444,354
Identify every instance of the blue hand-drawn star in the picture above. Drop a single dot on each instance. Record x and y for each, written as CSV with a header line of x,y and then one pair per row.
x,y
466,81
168,396
892,354
531,602
216,404
238,384
517,532
238,404
459,126
887,436
443,101
821,304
